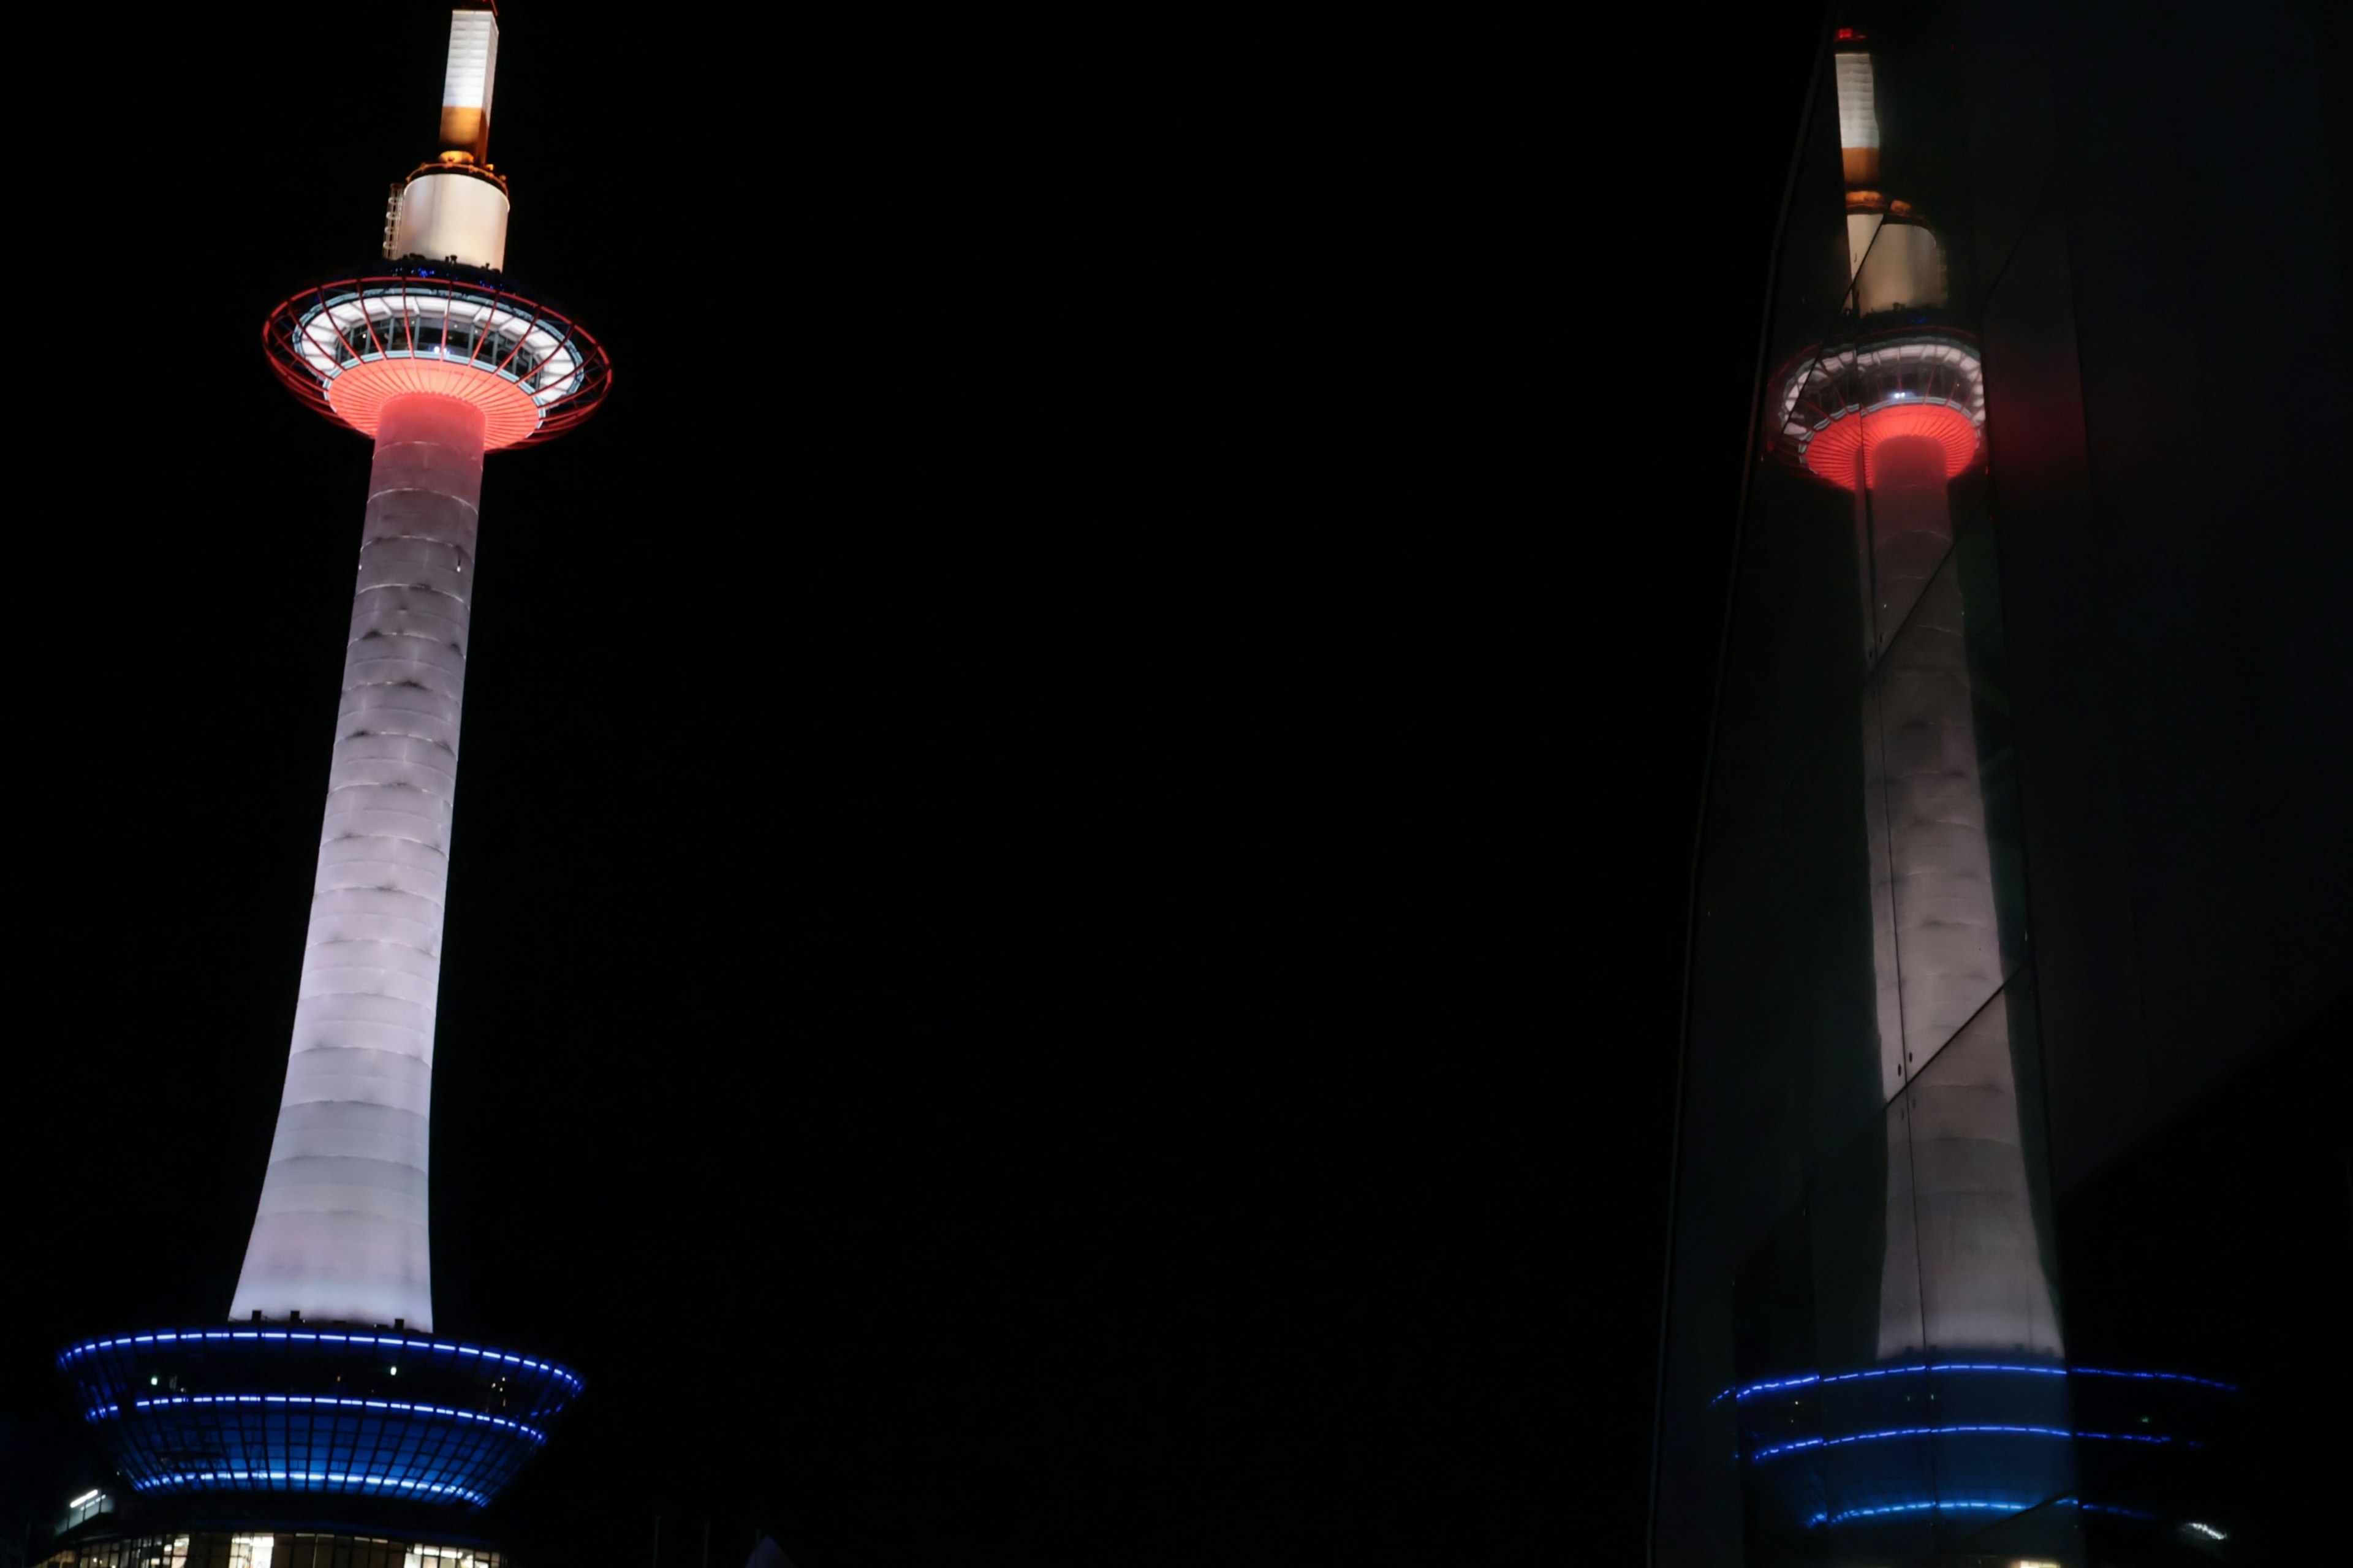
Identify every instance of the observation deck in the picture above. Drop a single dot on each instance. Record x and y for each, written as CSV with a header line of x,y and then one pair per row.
x,y
1840,398
348,346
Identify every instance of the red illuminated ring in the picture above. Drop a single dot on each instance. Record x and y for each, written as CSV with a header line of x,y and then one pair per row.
x,y
349,346
1830,455
357,396
1837,400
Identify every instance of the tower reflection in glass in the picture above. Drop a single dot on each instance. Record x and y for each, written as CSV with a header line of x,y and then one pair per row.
x,y
1964,1411
1993,1189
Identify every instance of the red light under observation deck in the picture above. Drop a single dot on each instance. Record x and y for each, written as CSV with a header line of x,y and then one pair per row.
x,y
359,394
1831,454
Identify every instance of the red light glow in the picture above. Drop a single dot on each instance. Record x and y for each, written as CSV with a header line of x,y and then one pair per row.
x,y
359,393
1830,455
348,347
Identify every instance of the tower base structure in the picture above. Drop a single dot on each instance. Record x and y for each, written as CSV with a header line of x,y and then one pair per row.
x,y
1871,1457
316,1419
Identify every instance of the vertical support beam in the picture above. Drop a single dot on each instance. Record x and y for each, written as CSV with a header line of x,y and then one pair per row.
x,y
1964,1268
341,1234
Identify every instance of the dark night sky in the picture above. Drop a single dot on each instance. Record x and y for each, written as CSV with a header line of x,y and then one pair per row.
x,y
1065,937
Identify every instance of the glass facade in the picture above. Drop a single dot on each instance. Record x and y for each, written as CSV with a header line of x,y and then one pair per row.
x,y
2005,1207
201,1547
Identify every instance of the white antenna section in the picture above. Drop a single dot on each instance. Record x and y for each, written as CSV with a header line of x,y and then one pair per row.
x,y
455,208
1858,99
466,89
1858,111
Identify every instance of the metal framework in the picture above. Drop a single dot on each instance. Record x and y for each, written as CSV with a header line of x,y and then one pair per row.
x,y
349,345
1837,400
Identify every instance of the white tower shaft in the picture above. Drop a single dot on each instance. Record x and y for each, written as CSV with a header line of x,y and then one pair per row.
x,y
1964,1267
341,1231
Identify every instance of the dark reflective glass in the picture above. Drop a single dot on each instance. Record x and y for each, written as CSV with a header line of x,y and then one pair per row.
x,y
2047,1536
1781,1064
2021,837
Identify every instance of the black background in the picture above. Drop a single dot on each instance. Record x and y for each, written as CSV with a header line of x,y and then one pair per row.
x,y
1066,933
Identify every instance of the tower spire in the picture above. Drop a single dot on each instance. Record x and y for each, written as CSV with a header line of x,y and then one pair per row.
x,y
466,85
454,208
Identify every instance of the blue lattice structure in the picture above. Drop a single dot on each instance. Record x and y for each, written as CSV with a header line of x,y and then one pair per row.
x,y
1969,1441
317,1411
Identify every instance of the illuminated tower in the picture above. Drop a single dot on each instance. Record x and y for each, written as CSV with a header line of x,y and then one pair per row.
x,y
1967,1403
1894,414
330,1383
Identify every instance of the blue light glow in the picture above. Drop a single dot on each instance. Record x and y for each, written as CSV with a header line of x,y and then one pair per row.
x,y
426,1347
306,1409
1941,1431
1940,1505
325,1402
201,1480
1811,1379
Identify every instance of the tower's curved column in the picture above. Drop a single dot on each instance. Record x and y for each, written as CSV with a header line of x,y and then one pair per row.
x,y
1938,946
341,1230
1964,1267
